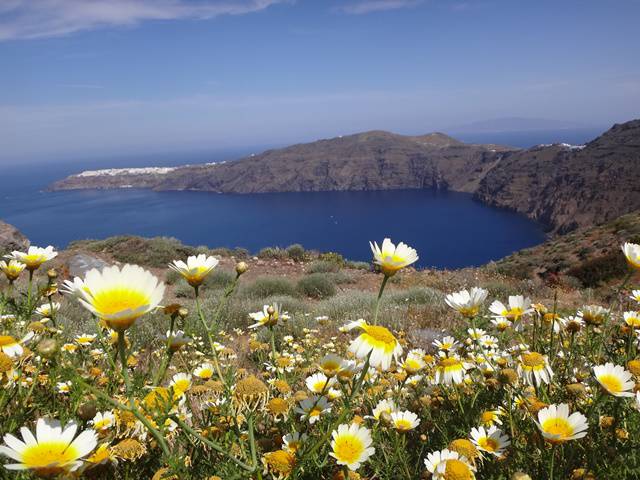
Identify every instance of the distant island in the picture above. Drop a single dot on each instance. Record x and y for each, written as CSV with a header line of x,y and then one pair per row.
x,y
563,186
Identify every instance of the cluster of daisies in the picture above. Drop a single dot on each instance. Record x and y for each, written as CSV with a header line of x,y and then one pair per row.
x,y
502,395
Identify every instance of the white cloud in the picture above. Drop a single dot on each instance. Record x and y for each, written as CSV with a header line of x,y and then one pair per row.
x,y
369,6
25,19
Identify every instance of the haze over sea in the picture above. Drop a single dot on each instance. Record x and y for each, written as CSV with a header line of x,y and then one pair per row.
x,y
448,229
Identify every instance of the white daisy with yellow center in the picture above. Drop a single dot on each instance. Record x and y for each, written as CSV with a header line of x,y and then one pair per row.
x,y
181,383
436,463
85,339
12,269
312,408
53,451
292,442
204,371
467,302
632,253
450,370
535,368
404,421
196,269
319,383
632,319
120,296
455,469
384,407
269,316
351,445
491,440
635,295
12,347
446,344
518,306
103,421
378,340
615,379
46,309
414,362
34,257
557,426
391,258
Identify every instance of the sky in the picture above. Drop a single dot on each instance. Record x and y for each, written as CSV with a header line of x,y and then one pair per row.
x,y
83,78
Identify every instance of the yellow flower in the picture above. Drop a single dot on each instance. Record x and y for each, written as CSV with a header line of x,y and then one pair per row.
x,y
557,426
52,451
351,445
196,269
12,269
120,297
391,258
279,463
34,256
379,341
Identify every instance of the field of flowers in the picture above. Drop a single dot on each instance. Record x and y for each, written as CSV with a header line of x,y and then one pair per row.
x,y
514,390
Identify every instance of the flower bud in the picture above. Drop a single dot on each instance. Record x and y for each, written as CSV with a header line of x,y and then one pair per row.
x,y
52,274
47,348
87,410
241,267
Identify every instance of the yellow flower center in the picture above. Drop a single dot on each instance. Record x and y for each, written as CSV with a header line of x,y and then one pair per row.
x,y
7,341
532,360
450,363
464,447
403,424
119,299
348,448
559,427
487,417
457,470
280,461
329,366
610,382
489,444
380,334
49,458
468,311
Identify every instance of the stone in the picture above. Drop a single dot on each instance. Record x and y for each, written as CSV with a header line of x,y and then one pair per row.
x,y
11,239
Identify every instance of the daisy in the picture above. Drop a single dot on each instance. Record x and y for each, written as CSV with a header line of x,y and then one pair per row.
x,y
176,339
615,379
487,341
181,383
572,324
467,302
120,296
492,417
379,341
518,306
557,426
196,269
103,421
74,287
64,387
12,269
46,309
269,316
632,319
535,368
292,442
404,421
384,407
313,408
593,314
435,459
34,257
491,440
330,364
450,370
414,362
52,451
319,382
12,347
85,339
446,344
351,445
390,258
204,371
501,323
632,253
455,468
635,295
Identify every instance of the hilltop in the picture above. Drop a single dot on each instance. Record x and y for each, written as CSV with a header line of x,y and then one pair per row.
x,y
562,186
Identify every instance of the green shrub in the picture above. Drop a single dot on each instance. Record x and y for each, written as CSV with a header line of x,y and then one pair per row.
x,y
322,266
600,269
272,253
332,257
263,287
316,285
219,279
340,278
358,265
171,277
296,252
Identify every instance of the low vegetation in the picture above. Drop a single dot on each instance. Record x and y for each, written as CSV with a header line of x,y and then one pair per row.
x,y
218,374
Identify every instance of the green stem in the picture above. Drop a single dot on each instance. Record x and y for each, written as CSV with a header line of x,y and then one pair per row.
x,y
553,456
252,446
125,371
382,285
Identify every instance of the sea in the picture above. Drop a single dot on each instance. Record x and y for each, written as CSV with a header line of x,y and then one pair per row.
x,y
448,229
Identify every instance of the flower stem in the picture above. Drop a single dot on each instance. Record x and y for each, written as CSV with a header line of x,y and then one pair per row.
x,y
382,285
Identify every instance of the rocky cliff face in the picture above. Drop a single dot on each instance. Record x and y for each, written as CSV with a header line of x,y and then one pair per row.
x,y
562,186
11,239
566,187
368,161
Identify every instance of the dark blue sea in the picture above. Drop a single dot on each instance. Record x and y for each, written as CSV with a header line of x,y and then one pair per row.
x,y
448,229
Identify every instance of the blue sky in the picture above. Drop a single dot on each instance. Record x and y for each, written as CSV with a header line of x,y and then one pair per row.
x,y
100,77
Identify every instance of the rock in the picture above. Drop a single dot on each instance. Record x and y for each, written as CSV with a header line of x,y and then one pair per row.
x,y
11,239
81,263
